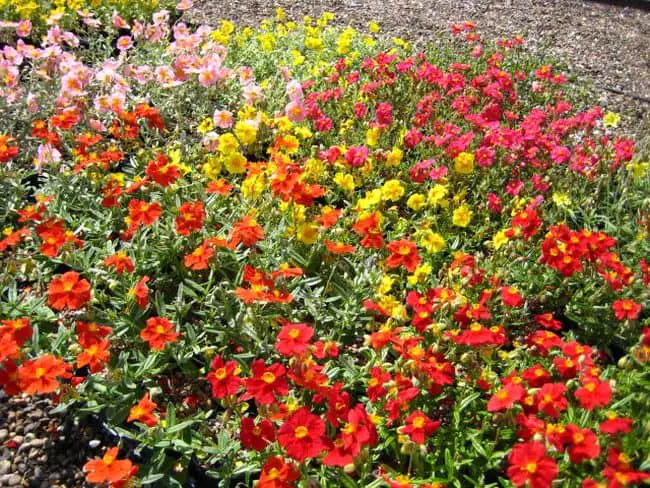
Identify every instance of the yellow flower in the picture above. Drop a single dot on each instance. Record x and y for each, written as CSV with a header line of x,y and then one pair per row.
x,y
385,284
437,194
212,167
345,181
373,27
372,136
298,58
639,169
462,216
371,199
416,201
499,239
464,163
228,143
206,125
280,14
227,27
315,43
561,199
420,274
253,185
245,132
392,190
431,241
307,232
303,132
611,119
394,157
235,162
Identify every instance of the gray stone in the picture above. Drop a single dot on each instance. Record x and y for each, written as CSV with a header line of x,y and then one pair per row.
x,y
5,466
11,479
95,443
4,434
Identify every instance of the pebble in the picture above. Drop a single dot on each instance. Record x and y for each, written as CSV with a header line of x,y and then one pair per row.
x,y
94,444
4,434
11,479
5,466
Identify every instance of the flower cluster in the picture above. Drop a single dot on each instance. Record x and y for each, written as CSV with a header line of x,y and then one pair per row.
x,y
303,254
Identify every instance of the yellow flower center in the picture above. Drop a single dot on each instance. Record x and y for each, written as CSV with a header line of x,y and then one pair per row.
x,y
268,377
301,432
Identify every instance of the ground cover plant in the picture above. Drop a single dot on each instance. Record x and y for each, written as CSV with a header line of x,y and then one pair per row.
x,y
303,255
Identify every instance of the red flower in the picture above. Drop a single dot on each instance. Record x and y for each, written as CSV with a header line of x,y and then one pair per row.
x,y
583,443
247,231
506,397
510,297
418,427
68,291
528,463
141,292
159,332
162,171
278,474
339,247
615,424
120,262
190,218
95,356
256,436
404,253
109,469
293,339
536,376
266,382
547,321
550,399
220,187
7,151
626,309
594,393
143,213
8,348
224,377
41,375
9,380
302,435
143,412
18,329
199,258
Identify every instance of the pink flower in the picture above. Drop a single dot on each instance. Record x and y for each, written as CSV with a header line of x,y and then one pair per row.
x,y
296,111
24,28
222,119
184,5
124,43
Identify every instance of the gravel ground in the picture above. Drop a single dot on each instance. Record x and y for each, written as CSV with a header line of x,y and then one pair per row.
x,y
38,449
606,44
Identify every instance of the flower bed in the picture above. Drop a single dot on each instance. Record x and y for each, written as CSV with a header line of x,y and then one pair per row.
x,y
304,255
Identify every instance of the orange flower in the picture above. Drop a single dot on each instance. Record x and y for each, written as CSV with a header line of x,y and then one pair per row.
x,y
120,262
94,356
143,213
220,187
141,292
199,258
247,231
68,291
158,332
162,171
40,375
143,412
18,329
276,473
339,247
109,469
190,218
